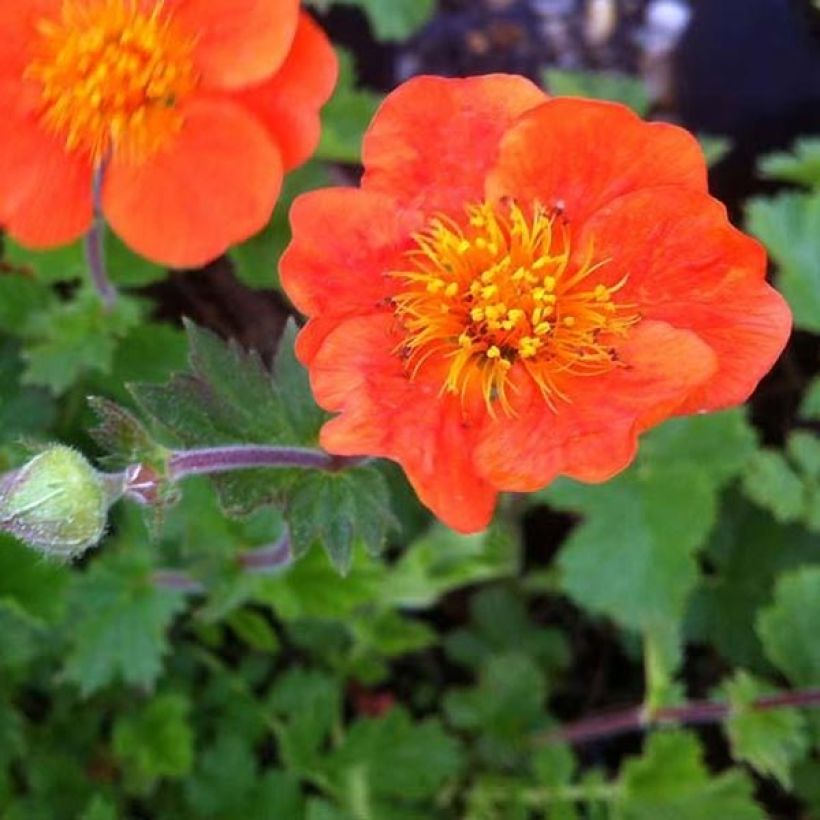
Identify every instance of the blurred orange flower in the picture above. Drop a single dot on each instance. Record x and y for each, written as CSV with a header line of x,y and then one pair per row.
x,y
519,288
191,109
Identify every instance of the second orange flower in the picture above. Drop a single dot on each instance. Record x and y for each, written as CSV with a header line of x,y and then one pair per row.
x,y
189,110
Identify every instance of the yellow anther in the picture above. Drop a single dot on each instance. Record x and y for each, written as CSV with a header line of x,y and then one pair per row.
x,y
477,221
538,294
463,247
515,315
465,341
488,275
519,274
489,291
480,243
451,290
549,283
541,263
529,346
543,328
477,314
493,352
435,285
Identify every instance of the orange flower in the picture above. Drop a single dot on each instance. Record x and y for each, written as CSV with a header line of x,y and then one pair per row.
x,y
191,109
519,288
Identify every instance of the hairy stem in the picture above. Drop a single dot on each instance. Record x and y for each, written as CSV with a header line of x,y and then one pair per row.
x,y
95,247
636,719
248,456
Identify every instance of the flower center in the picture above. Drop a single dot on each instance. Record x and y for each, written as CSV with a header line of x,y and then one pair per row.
x,y
111,77
499,290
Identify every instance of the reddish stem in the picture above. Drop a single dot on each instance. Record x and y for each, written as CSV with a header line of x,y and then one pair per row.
x,y
694,713
250,456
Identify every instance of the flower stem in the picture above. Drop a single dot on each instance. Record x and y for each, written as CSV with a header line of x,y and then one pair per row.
x,y
273,558
249,456
268,559
637,719
95,247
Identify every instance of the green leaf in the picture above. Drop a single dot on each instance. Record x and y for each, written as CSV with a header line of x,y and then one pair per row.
x,y
64,264
257,260
309,706
500,624
506,708
770,741
71,339
293,595
772,483
633,557
670,781
150,352
788,628
20,298
787,225
394,758
443,560
23,410
810,406
747,553
348,114
126,268
227,397
122,436
254,630
99,809
801,165
336,509
155,741
33,587
224,780
119,621
601,85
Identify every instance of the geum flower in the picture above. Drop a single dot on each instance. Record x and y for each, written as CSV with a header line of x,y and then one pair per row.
x,y
519,288
191,111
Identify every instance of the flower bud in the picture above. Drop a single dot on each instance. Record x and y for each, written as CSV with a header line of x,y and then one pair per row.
x,y
57,503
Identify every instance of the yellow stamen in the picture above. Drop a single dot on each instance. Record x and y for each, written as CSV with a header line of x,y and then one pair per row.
x,y
501,273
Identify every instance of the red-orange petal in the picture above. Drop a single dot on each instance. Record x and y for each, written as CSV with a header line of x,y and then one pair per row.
x,y
288,102
577,155
355,372
238,42
18,30
433,140
345,242
593,436
45,191
216,185
689,267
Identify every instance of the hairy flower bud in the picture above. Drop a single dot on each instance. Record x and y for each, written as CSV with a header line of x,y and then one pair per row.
x,y
56,503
